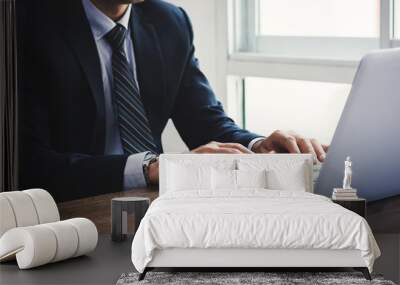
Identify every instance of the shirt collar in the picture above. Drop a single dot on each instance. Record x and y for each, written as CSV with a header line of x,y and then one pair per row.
x,y
100,23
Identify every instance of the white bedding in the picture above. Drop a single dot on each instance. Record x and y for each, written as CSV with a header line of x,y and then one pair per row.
x,y
250,219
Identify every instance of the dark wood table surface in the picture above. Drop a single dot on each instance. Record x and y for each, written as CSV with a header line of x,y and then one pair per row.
x,y
383,215
98,208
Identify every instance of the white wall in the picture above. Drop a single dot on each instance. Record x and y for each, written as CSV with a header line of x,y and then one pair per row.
x,y
203,16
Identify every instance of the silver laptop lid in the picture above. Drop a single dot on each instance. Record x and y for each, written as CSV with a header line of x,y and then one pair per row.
x,y
369,131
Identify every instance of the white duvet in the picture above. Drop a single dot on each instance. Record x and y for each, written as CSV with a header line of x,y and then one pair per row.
x,y
250,219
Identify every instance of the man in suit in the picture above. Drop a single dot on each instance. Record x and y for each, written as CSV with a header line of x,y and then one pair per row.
x,y
101,78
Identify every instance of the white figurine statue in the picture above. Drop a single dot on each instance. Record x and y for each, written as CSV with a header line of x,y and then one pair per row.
x,y
348,172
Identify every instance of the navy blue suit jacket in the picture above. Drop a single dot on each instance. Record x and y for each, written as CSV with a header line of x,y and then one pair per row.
x,y
62,102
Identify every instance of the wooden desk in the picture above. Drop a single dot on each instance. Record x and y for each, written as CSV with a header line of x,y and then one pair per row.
x,y
98,208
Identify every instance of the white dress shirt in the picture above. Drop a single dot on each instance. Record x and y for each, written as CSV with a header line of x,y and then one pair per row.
x,y
100,25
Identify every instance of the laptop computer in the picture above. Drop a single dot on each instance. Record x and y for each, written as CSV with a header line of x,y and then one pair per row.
x,y
368,131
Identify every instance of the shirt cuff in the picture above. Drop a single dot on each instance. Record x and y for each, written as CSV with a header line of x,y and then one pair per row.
x,y
133,173
251,144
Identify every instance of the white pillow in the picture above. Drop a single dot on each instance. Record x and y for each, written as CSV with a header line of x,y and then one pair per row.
x,y
293,178
226,179
182,177
223,179
251,178
284,172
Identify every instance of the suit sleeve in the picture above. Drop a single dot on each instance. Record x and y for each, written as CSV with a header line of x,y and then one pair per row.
x,y
198,116
66,176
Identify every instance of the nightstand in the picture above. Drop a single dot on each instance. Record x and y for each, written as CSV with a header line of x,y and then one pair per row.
x,y
358,205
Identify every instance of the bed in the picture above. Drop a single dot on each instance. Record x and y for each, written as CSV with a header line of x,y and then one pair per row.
x,y
247,211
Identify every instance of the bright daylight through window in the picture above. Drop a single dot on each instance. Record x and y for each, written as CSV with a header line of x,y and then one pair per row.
x,y
396,19
319,18
310,108
295,59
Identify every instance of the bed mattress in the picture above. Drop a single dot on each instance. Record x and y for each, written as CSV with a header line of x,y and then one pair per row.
x,y
250,219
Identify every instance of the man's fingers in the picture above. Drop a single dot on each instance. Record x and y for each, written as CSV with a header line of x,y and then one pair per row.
x,y
208,148
226,150
281,141
305,146
290,143
216,149
319,150
236,146
233,147
311,146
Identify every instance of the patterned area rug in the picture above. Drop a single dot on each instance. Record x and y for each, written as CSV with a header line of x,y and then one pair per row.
x,y
243,278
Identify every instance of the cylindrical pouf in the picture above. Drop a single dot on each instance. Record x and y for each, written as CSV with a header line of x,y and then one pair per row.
x,y
45,205
87,235
23,208
41,244
67,240
120,209
7,218
33,246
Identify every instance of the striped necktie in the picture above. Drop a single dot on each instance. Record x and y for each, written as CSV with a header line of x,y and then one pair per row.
x,y
135,132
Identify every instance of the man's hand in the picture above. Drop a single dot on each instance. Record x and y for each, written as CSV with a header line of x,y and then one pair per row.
x,y
280,141
212,147
216,147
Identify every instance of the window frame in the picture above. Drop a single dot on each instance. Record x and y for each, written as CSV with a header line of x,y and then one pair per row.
x,y
237,31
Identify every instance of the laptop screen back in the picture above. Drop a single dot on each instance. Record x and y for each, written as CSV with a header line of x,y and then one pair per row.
x,y
368,131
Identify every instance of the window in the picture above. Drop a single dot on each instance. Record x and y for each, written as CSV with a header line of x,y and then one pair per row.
x,y
396,19
319,18
311,108
323,29
289,64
